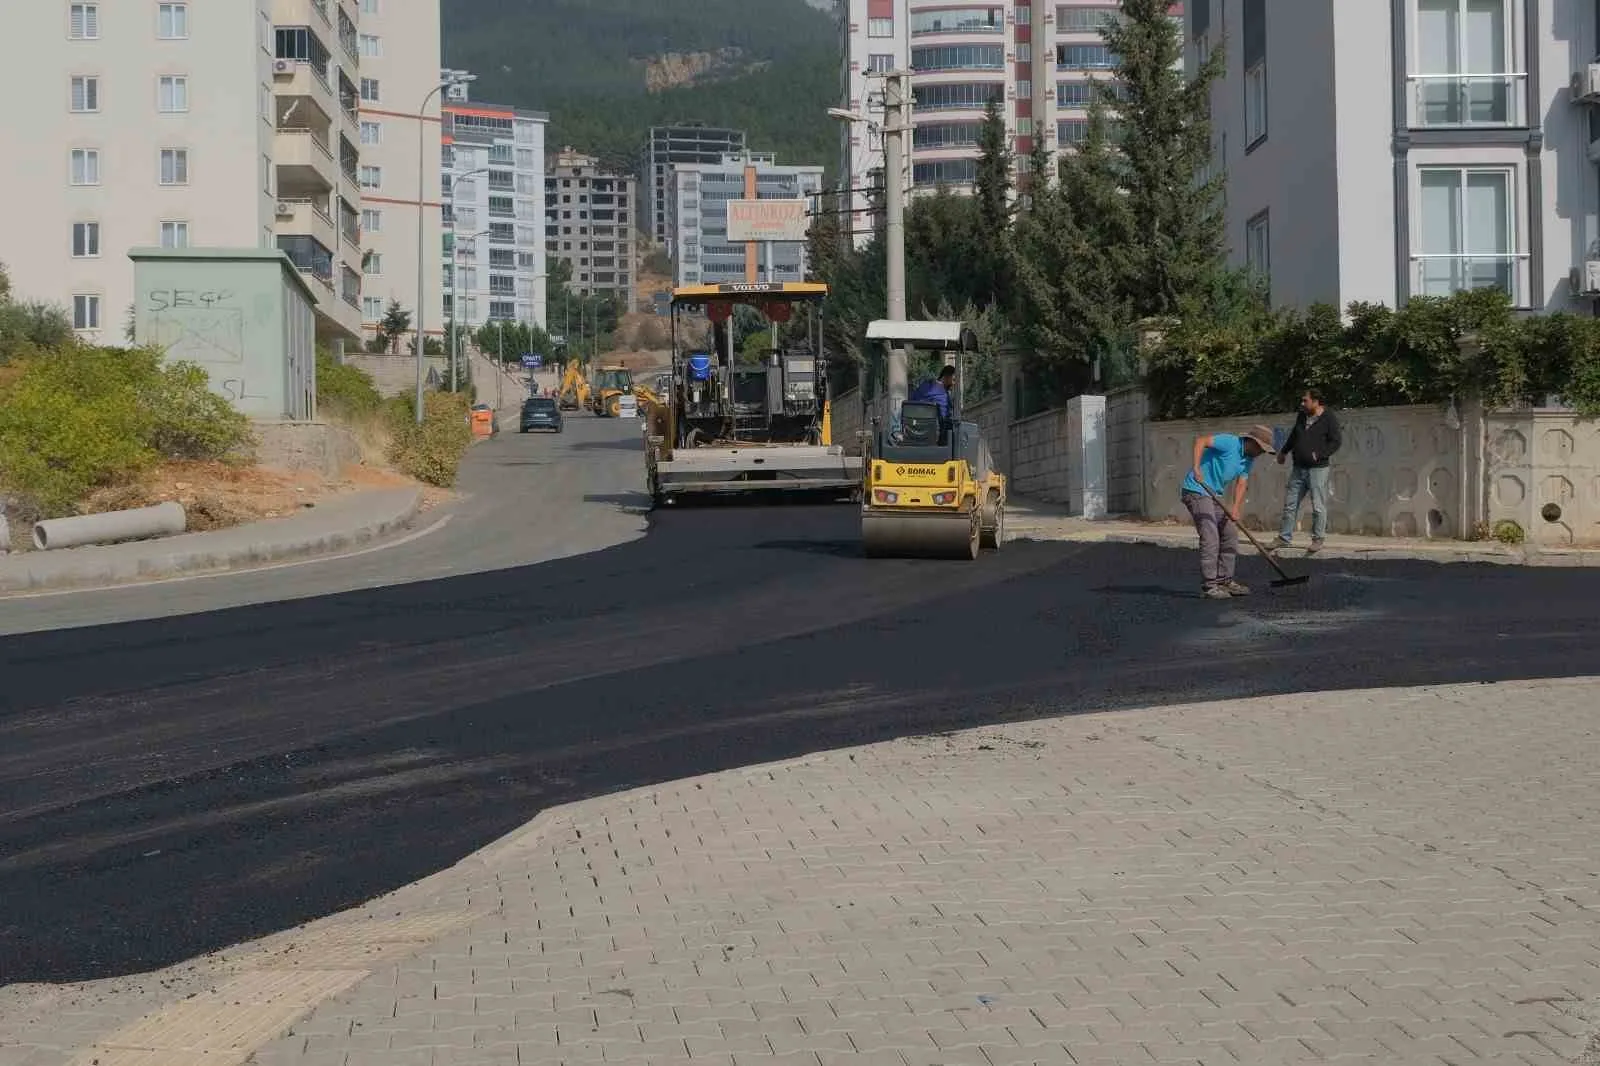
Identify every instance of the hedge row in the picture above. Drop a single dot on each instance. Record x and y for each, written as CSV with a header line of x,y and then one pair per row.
x,y
1433,349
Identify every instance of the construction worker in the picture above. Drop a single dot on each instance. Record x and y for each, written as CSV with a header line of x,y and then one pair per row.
x,y
937,392
1221,469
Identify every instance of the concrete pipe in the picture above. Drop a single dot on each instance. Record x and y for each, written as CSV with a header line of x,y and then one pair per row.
x,y
162,520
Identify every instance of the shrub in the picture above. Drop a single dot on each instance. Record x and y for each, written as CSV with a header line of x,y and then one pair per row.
x,y
431,452
80,418
345,391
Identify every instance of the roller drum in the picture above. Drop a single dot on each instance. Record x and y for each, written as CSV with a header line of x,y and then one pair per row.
x,y
892,533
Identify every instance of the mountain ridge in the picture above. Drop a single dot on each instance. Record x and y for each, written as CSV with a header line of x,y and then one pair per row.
x,y
607,70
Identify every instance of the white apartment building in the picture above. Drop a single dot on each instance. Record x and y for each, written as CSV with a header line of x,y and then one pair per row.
x,y
698,209
400,90
667,146
178,124
1380,149
1036,58
493,183
589,224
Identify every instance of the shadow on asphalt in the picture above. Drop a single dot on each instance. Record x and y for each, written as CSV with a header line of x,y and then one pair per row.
x,y
626,444
843,549
631,502
1161,591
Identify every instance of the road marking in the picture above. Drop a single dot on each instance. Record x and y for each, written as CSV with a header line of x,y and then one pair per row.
x,y
370,549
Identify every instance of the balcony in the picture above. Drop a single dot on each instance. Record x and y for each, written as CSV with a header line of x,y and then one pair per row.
x,y
305,217
1444,274
311,257
306,81
305,164
1474,101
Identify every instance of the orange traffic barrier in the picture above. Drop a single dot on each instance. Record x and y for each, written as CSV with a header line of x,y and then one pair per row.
x,y
482,423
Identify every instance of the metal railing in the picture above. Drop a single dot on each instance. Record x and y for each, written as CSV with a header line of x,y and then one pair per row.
x,y
1468,99
1441,274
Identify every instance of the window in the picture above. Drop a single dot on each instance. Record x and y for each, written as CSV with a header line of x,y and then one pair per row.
x,y
174,166
369,7
1084,57
85,93
502,310
1024,15
959,20
172,22
83,23
369,90
371,220
85,240
1462,69
172,94
880,64
1085,19
371,46
880,27
525,159
1024,89
371,177
959,57
1255,105
372,265
1258,245
946,135
1024,52
968,96
1467,230
85,311
85,166
174,234
371,132
267,170
371,308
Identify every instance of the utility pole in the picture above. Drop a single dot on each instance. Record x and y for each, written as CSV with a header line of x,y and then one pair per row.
x,y
896,126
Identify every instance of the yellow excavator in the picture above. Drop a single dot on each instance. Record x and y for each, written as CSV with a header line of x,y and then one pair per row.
x,y
574,391
931,488
610,382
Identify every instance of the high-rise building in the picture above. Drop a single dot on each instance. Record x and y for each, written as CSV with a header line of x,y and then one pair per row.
x,y
701,252
495,263
400,91
666,147
1035,59
182,125
1376,150
589,224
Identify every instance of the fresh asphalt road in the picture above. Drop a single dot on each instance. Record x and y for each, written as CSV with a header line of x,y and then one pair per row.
x,y
178,784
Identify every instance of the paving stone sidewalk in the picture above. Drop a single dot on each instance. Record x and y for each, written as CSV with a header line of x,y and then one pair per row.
x,y
1037,520
1402,876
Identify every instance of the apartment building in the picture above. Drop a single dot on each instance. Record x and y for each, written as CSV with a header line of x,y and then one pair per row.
x,y
177,124
701,252
1037,60
666,147
493,187
400,90
1380,149
589,224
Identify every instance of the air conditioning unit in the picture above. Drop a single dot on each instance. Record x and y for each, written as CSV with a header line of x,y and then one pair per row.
x,y
285,209
1591,277
1586,84
282,66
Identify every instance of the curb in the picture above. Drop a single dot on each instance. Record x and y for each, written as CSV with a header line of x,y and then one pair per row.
x,y
99,571
1500,556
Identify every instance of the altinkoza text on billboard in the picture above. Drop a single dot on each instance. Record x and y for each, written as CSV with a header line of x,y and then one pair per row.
x,y
767,220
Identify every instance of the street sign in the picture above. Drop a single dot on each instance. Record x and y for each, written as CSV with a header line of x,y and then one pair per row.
x,y
767,220
531,361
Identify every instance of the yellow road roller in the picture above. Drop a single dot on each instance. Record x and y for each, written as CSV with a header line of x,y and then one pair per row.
x,y
931,490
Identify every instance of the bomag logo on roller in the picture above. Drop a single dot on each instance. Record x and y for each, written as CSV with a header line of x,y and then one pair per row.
x,y
917,471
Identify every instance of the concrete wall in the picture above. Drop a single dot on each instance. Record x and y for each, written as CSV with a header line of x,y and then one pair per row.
x,y
1040,463
1534,460
316,446
1399,473
242,315
1126,411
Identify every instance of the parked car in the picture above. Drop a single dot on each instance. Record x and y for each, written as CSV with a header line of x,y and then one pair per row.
x,y
541,413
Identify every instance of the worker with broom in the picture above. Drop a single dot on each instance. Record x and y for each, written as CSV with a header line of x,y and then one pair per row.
x,y
1221,469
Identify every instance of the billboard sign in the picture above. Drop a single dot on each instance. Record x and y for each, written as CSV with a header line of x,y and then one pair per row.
x,y
767,220
531,361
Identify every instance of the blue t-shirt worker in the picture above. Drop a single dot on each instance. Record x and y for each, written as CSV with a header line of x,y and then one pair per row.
x,y
1213,493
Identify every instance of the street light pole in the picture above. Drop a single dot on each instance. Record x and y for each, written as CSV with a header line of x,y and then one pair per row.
x,y
897,123
422,174
455,179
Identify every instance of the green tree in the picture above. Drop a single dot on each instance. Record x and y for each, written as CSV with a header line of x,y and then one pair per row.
x,y
394,326
996,166
518,337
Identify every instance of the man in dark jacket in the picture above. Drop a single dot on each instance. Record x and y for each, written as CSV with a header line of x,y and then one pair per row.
x,y
1313,441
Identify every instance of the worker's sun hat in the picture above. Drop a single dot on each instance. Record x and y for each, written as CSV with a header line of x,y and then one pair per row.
x,y
1262,435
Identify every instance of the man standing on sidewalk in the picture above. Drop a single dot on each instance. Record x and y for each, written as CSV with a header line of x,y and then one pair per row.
x,y
1221,461
1312,442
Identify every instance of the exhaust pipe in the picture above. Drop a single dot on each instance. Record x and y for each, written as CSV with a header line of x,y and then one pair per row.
x,y
162,520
